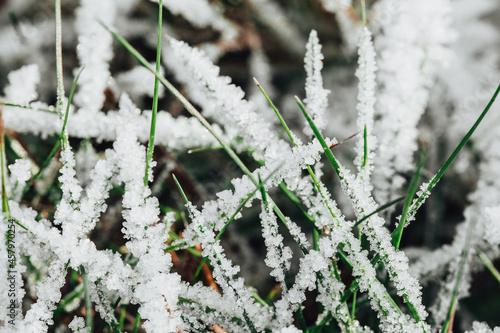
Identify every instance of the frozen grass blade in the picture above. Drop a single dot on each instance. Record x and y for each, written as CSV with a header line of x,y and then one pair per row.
x,y
299,314
320,138
151,144
219,235
231,219
59,64
61,136
489,265
27,107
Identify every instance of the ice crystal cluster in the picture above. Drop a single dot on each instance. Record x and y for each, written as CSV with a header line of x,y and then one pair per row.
x,y
104,235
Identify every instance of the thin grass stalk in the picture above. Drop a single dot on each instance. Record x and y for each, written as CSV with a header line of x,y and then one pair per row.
x,y
59,64
447,325
489,265
14,105
398,232
152,131
3,165
136,323
89,324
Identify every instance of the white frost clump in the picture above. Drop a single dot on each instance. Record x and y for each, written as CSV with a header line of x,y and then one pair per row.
x,y
95,50
412,46
200,13
20,170
138,81
478,327
492,225
366,107
316,96
77,325
22,85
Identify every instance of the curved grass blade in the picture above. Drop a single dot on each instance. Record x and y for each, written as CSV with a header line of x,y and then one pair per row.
x,y
426,193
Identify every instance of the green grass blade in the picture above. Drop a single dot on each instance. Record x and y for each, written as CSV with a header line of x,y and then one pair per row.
x,y
88,303
123,312
363,12
184,197
398,232
197,150
420,200
365,147
137,322
489,265
320,138
378,210
465,253
26,107
152,131
3,165
278,114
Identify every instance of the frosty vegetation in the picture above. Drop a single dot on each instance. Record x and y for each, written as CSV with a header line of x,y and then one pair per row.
x,y
103,233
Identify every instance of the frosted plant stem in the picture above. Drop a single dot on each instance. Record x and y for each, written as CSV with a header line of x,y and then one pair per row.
x,y
151,144
280,251
88,303
59,64
228,283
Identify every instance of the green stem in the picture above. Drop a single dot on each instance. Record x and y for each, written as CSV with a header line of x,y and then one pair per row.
x,y
88,303
152,131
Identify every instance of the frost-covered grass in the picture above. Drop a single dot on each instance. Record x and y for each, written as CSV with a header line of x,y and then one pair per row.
x,y
228,213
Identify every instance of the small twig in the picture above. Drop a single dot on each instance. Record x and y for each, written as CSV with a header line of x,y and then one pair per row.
x,y
346,139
